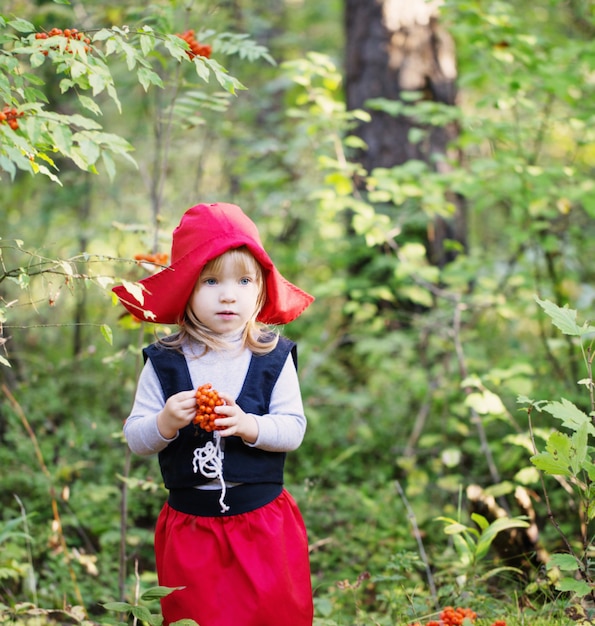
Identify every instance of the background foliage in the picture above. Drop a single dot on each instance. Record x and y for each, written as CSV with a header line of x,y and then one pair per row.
x,y
410,374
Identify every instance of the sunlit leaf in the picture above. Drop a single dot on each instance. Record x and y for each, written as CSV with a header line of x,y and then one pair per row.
x,y
564,318
569,414
107,333
21,25
556,459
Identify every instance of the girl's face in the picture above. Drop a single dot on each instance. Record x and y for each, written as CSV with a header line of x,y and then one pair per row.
x,y
227,293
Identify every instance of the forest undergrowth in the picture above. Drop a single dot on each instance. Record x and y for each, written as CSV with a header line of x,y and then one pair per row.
x,y
446,476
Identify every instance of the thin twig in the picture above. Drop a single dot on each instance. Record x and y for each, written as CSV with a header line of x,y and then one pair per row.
x,y
136,590
420,544
420,420
29,547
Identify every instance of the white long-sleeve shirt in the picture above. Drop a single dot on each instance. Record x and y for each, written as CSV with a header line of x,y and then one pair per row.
x,y
280,430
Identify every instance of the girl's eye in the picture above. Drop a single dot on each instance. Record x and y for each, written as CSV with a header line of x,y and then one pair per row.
x,y
245,280
210,281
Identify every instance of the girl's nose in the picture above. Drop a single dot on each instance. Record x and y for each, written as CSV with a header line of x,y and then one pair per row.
x,y
226,295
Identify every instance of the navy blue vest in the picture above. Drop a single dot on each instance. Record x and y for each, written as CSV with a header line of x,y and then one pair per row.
x,y
242,463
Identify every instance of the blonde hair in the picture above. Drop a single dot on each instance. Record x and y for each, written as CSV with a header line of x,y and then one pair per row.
x,y
258,337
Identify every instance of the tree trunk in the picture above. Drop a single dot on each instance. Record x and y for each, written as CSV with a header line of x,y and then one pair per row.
x,y
397,46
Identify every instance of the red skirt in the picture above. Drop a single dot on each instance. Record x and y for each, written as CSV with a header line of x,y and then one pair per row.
x,y
250,569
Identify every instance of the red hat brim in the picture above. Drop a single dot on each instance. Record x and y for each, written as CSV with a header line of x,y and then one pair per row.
x,y
204,233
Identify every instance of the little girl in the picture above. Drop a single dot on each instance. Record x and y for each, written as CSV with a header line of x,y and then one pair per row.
x,y
230,538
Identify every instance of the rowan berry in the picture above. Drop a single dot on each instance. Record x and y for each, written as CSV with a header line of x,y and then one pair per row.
x,y
196,49
9,116
69,33
159,258
206,401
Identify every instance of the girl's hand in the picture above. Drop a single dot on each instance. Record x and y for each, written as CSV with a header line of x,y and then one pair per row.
x,y
179,411
235,421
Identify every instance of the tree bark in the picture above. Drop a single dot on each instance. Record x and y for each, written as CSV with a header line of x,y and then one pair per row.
x,y
392,47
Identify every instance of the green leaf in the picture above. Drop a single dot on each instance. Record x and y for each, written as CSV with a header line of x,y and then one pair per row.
x,y
176,47
147,43
155,593
89,149
80,121
579,446
570,415
497,571
120,607
98,82
78,158
78,69
147,77
480,520
46,172
103,34
489,534
229,83
5,86
34,79
564,318
22,26
579,587
454,527
108,163
566,562
485,402
37,59
106,331
465,549
130,54
89,104
556,460
142,613
111,90
62,138
8,166
202,69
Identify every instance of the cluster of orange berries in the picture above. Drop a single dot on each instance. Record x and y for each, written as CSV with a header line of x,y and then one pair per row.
x,y
10,116
206,401
456,617
196,49
69,33
159,258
